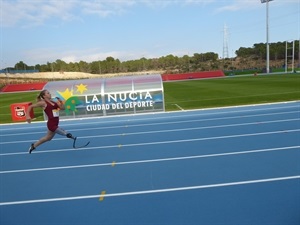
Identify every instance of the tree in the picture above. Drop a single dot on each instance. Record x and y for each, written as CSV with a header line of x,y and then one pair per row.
x,y
199,61
21,66
61,65
84,67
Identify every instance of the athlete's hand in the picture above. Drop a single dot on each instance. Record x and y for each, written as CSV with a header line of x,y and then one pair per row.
x,y
58,99
28,119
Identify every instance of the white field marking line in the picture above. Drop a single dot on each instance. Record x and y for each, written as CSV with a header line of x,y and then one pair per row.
x,y
155,143
163,131
266,180
153,160
168,116
179,107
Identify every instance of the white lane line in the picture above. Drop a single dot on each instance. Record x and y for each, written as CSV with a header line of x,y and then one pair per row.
x,y
152,160
155,143
152,191
175,114
166,131
160,123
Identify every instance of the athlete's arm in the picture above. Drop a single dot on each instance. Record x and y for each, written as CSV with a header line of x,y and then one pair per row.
x,y
41,104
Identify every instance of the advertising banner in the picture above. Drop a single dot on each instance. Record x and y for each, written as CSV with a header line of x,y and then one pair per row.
x,y
109,96
18,111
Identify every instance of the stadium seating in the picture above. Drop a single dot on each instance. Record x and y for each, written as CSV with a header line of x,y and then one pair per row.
x,y
23,87
194,75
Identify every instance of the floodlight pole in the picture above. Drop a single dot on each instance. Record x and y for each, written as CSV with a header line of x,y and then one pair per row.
x,y
267,33
268,47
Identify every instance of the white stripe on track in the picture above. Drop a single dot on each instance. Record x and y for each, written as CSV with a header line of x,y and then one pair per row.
x,y
160,123
156,143
164,131
152,160
152,191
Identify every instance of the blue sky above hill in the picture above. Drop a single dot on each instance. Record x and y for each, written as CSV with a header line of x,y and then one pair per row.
x,y
41,31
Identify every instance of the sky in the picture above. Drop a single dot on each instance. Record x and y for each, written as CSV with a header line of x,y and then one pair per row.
x,y
41,31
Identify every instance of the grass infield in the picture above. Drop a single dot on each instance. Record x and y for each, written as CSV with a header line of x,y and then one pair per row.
x,y
198,94
231,91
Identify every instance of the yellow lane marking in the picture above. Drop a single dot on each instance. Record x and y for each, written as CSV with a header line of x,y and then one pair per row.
x,y
102,195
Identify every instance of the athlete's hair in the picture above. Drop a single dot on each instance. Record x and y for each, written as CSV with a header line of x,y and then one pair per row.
x,y
41,95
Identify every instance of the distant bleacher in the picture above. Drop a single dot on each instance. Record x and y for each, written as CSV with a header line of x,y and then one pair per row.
x,y
194,75
165,77
23,87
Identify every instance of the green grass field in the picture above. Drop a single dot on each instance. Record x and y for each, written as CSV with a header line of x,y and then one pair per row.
x,y
197,94
6,99
231,91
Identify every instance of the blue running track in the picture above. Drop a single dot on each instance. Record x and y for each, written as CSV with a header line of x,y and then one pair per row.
x,y
228,166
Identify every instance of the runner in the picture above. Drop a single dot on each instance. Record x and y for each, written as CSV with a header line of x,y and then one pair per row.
x,y
51,109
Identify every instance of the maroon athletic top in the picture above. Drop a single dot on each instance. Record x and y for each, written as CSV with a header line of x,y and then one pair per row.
x,y
52,112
